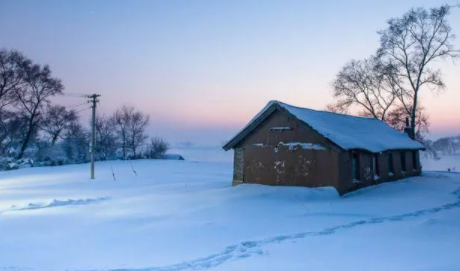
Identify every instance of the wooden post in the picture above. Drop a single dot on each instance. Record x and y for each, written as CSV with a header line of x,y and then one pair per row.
x,y
94,101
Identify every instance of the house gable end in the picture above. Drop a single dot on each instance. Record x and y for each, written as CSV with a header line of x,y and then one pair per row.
x,y
311,129
278,127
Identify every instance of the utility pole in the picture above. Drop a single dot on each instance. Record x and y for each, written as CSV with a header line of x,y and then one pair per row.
x,y
93,100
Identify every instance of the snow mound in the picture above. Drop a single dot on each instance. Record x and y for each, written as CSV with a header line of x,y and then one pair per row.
x,y
56,203
431,221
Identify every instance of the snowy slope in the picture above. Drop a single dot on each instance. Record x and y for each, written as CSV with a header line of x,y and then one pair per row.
x,y
183,215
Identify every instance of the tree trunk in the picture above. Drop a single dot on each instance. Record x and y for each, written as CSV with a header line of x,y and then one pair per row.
x,y
123,146
133,144
54,139
414,114
26,139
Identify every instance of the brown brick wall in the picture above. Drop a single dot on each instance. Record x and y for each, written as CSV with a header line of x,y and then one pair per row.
x,y
268,161
238,164
365,160
260,158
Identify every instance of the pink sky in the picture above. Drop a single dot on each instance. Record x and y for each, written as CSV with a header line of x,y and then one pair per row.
x,y
201,68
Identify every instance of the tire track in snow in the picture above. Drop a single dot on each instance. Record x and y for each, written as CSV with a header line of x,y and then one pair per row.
x,y
248,249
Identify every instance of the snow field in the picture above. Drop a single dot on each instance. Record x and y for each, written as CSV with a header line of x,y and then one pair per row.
x,y
184,215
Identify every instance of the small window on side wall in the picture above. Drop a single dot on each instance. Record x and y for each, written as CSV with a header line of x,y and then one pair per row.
x,y
414,160
390,165
403,162
355,167
375,166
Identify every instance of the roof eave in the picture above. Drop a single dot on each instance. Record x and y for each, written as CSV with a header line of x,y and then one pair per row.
x,y
386,150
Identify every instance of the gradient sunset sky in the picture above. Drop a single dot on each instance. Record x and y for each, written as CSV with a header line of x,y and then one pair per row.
x,y
202,69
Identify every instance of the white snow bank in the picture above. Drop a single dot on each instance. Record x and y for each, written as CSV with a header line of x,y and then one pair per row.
x,y
55,203
287,194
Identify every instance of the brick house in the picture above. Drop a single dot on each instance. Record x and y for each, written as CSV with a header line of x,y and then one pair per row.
x,y
288,145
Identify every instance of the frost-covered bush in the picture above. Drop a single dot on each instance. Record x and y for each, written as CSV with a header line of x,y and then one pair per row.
x,y
76,144
156,148
9,163
50,155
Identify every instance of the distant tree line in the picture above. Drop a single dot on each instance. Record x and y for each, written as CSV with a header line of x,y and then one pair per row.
x,y
36,131
446,145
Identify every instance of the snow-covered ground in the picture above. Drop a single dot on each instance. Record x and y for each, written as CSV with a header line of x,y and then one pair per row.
x,y
204,154
184,215
445,163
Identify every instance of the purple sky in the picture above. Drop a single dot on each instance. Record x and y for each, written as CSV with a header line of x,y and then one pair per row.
x,y
202,69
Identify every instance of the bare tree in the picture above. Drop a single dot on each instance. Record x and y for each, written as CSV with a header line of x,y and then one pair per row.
x,y
39,85
397,119
13,126
76,143
121,119
443,145
447,145
131,125
411,45
366,85
11,75
56,120
106,138
136,131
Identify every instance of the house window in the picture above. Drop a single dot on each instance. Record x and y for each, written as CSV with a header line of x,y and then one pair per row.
x,y
356,166
390,164
403,161
414,160
375,166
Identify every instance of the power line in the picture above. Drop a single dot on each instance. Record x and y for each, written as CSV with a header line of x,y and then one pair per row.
x,y
77,95
83,110
76,105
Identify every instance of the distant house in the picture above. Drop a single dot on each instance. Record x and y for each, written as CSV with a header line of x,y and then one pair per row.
x,y
173,157
288,145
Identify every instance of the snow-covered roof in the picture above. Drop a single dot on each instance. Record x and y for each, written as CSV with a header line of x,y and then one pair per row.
x,y
347,132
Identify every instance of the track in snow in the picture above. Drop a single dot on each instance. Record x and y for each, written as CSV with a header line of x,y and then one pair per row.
x,y
247,249
54,203
252,248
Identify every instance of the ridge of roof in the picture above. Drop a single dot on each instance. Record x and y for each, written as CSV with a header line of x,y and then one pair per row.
x,y
325,111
